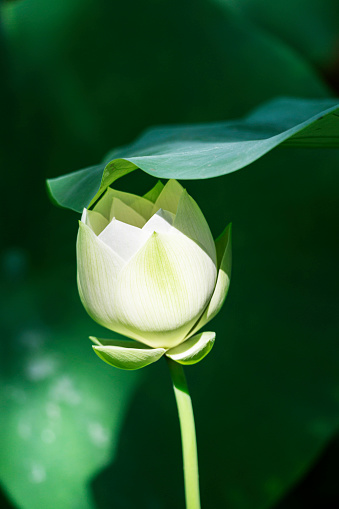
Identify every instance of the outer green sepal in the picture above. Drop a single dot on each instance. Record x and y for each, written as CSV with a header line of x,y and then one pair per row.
x,y
154,193
193,350
127,355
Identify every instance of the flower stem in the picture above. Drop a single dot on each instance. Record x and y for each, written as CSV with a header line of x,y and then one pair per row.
x,y
188,437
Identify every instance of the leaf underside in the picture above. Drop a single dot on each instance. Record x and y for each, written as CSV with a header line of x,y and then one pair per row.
x,y
205,150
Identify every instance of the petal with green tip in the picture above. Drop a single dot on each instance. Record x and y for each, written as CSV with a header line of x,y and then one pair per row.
x,y
94,220
138,203
126,343
193,350
104,205
191,222
169,197
161,222
224,260
129,358
153,193
164,288
126,214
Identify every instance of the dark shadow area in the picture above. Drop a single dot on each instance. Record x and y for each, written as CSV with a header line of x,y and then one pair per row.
x,y
4,501
319,488
148,470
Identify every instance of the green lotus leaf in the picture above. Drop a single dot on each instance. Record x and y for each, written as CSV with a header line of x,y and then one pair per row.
x,y
204,151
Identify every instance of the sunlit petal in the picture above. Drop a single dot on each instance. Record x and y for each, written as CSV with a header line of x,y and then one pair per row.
x,y
224,257
125,355
169,197
153,193
138,203
164,288
98,269
193,350
104,205
191,221
126,214
161,222
94,220
125,240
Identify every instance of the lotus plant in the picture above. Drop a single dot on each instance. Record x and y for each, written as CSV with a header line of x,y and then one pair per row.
x,y
149,269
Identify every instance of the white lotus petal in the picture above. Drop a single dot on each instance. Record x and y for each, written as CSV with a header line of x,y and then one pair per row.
x,y
164,288
98,269
224,256
161,222
125,355
94,220
84,216
193,350
138,203
124,213
153,193
169,197
125,240
191,221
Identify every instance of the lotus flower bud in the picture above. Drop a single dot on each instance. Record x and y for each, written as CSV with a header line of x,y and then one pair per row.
x,y
148,267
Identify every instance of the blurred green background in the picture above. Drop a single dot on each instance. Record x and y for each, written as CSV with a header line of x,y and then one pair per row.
x,y
79,78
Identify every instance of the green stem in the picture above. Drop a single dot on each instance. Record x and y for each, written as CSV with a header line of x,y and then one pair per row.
x,y
188,438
